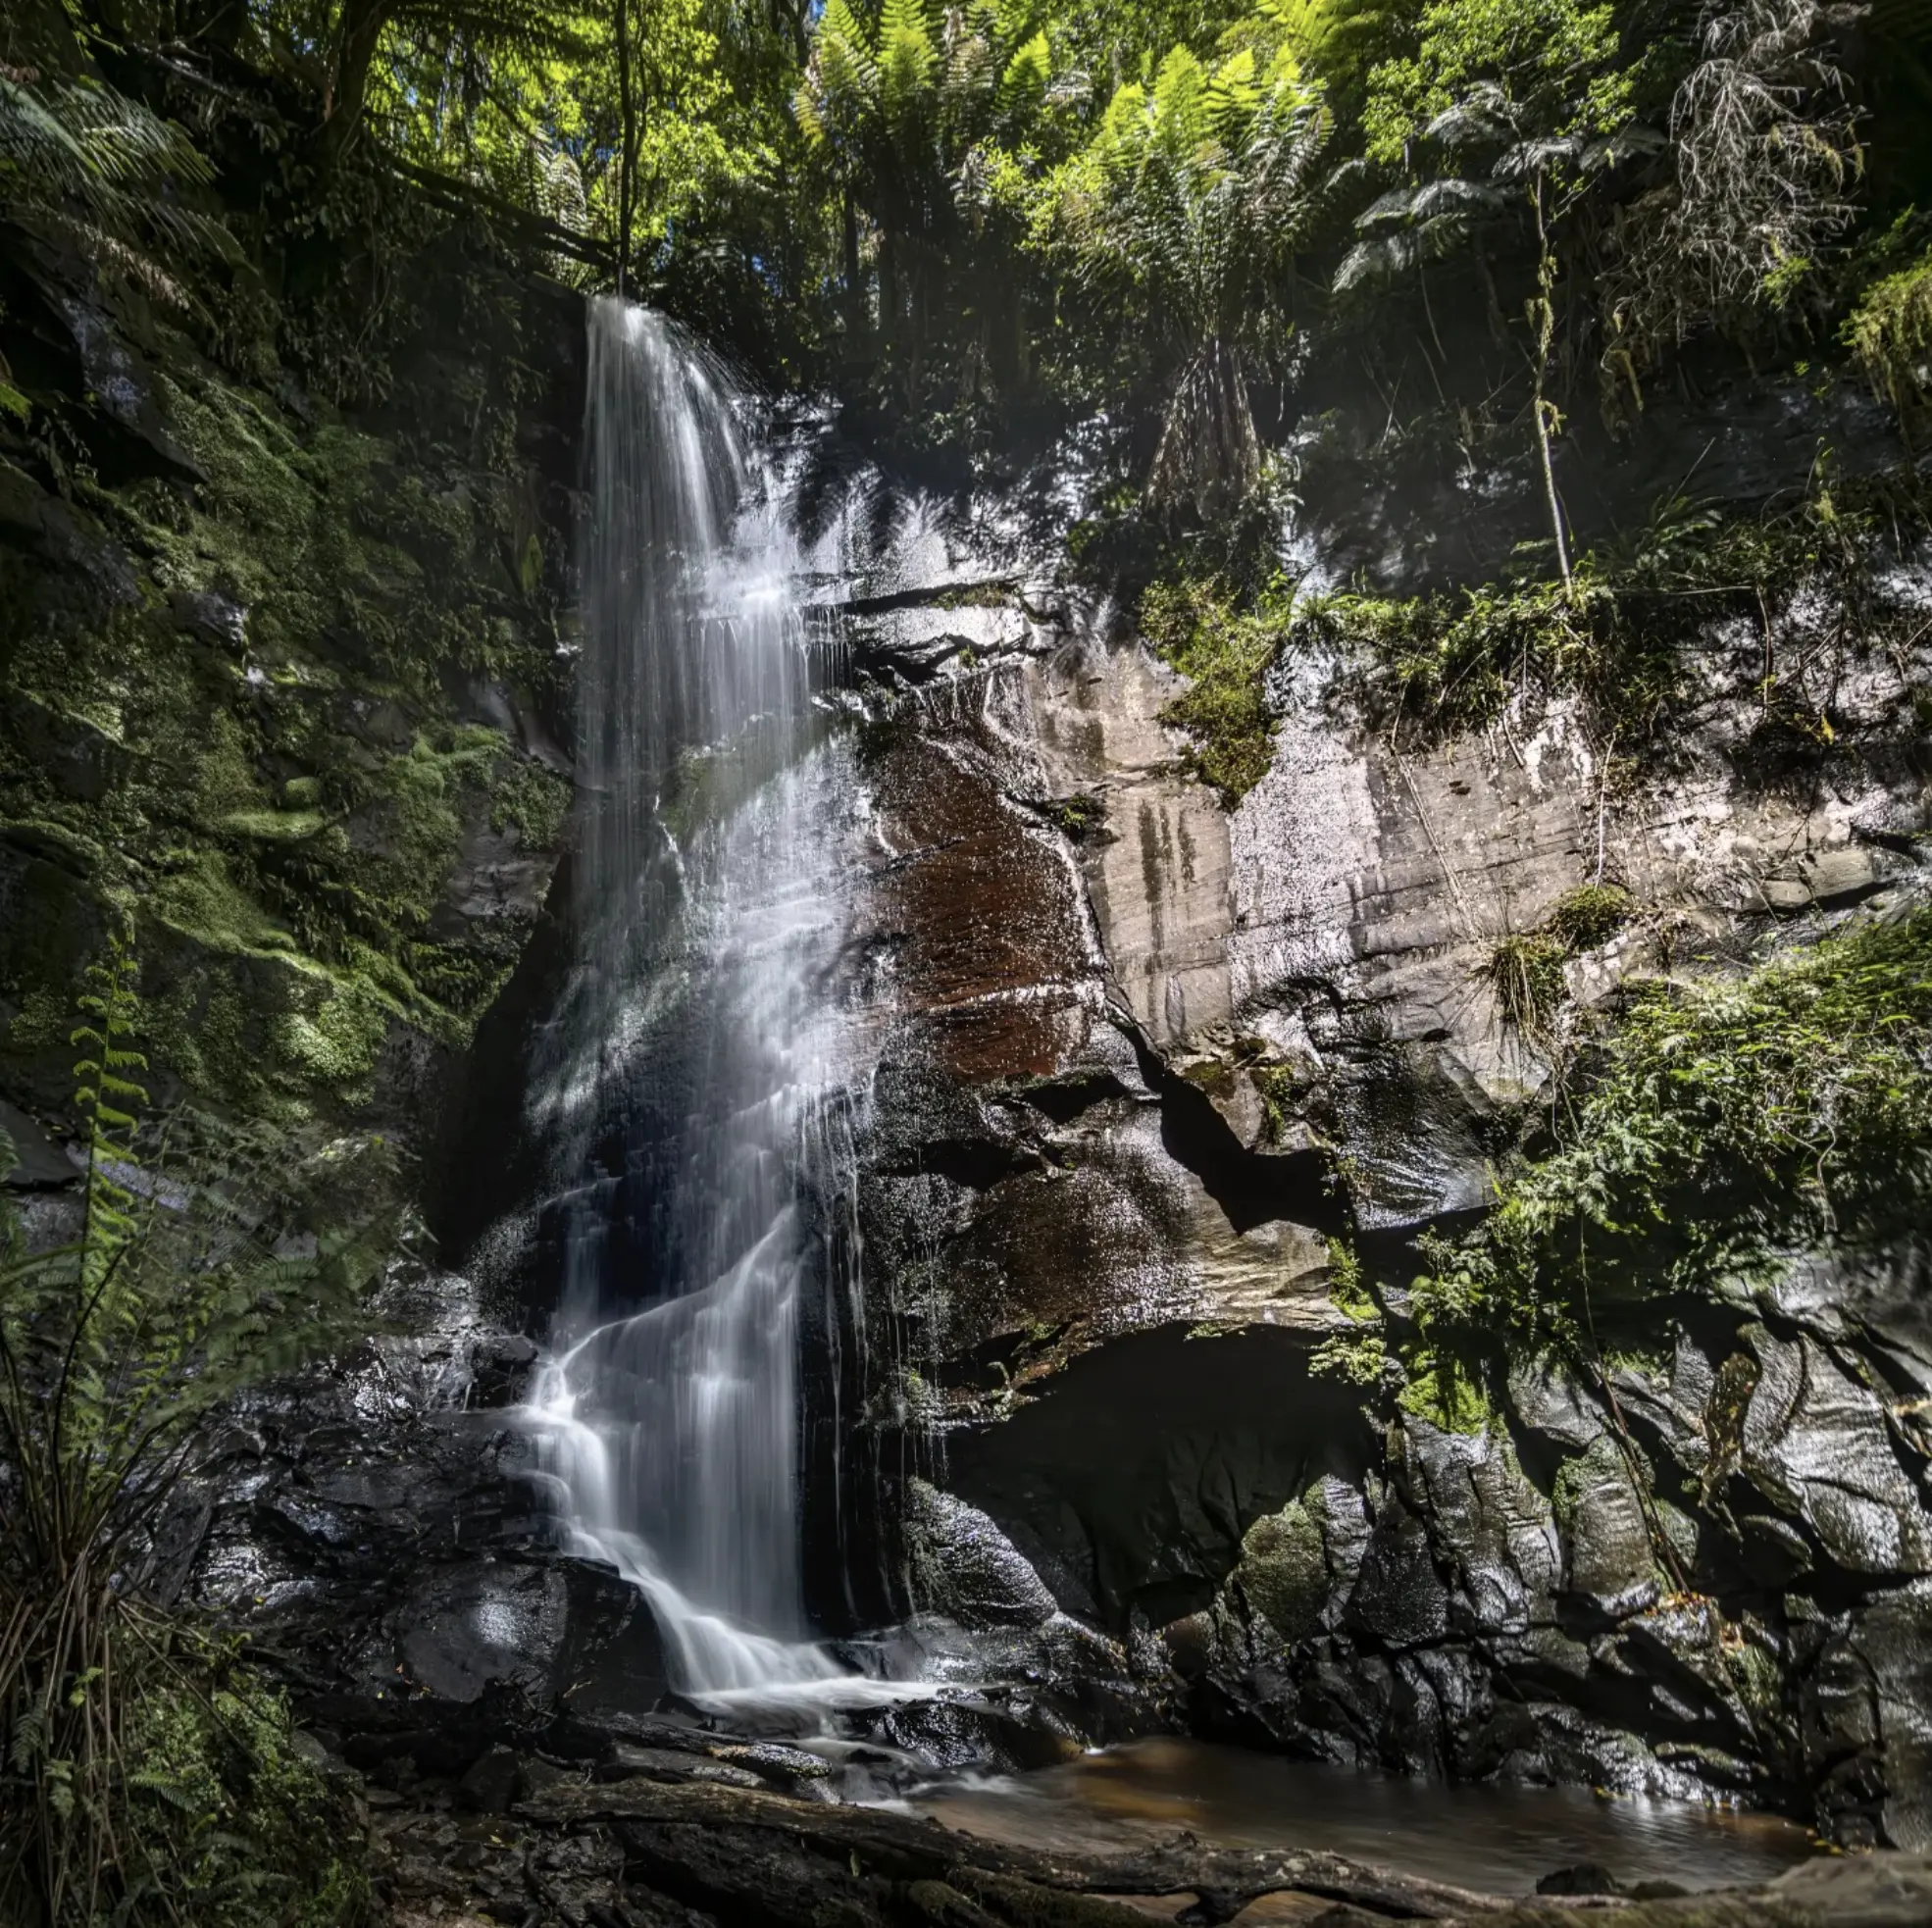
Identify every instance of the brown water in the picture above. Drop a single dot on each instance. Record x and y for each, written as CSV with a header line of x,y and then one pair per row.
x,y
1498,1839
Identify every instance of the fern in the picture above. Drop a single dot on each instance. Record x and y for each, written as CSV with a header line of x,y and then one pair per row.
x,y
118,1353
87,165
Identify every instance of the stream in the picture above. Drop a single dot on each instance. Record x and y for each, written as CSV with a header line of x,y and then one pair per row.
x,y
1496,1838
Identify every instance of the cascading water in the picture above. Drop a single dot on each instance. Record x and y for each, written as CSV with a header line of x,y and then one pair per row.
x,y
700,1037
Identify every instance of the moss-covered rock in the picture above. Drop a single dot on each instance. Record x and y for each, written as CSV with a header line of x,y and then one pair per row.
x,y
275,702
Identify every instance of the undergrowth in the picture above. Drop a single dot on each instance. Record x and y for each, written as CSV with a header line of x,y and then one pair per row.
x,y
1624,636
1427,667
1225,655
1726,1125
1889,331
145,1776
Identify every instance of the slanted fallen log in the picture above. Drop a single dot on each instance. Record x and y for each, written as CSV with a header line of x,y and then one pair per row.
x,y
752,1858
763,1858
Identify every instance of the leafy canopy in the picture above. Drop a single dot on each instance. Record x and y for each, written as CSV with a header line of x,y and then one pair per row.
x,y
1546,66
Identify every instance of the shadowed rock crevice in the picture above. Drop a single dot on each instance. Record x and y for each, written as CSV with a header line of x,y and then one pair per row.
x,y
1132,1480
1252,1188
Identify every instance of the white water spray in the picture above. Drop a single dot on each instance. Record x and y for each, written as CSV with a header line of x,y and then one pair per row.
x,y
700,1035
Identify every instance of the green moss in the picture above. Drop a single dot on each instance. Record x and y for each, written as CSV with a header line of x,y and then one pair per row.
x,y
338,1040
1757,1675
253,742
1284,1570
1587,917
46,836
273,826
43,1018
1194,628
203,900
1574,1480
1442,1389
534,799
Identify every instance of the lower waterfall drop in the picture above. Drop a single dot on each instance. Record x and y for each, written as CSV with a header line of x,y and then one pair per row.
x,y
700,1032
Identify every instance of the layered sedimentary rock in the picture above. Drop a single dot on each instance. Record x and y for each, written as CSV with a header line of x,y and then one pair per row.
x,y
1149,1056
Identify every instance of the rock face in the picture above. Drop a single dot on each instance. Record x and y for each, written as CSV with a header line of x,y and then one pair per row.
x,y
277,690
1138,1061
1146,1057
376,1527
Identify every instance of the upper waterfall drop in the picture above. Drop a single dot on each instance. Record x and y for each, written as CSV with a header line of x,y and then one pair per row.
x,y
699,1034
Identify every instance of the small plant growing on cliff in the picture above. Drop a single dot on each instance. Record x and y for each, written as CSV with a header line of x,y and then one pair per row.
x,y
1359,1356
1080,818
1193,627
1525,974
119,1349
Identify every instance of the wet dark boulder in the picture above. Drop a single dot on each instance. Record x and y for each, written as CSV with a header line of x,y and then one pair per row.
x,y
960,1565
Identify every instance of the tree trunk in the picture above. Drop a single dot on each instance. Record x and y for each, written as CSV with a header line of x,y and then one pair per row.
x,y
888,288
855,293
1209,454
1543,319
626,156
363,22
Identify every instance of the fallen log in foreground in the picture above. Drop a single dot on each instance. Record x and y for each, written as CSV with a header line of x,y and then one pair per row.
x,y
752,1859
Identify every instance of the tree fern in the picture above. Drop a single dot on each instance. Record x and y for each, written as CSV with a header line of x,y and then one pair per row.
x,y
839,91
908,62
1186,202
86,165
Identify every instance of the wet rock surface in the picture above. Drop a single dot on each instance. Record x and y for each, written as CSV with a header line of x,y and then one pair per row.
x,y
1138,1060
372,1527
1100,1472
1096,1200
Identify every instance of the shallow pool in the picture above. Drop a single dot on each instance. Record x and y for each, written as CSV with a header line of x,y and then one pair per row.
x,y
1500,1838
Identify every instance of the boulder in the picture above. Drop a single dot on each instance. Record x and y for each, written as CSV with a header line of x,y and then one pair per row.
x,y
1498,1530
1608,1560
960,1565
1816,1443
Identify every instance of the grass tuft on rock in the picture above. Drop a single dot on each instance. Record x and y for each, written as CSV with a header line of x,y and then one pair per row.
x,y
1525,975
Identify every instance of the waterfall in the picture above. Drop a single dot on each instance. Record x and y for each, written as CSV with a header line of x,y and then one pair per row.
x,y
700,1037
